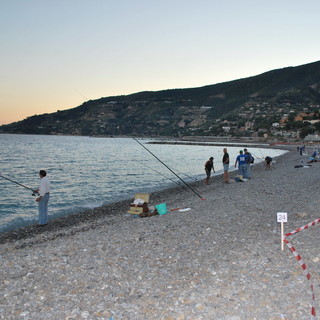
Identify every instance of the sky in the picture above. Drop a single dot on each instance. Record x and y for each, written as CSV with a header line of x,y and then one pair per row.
x,y
55,55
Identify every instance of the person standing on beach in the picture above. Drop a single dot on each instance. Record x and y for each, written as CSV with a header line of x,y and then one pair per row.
x,y
43,199
267,161
241,161
249,160
208,167
225,162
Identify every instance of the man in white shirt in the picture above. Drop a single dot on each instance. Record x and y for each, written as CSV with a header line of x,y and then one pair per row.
x,y
43,199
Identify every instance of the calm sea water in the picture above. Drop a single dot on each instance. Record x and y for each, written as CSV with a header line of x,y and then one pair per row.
x,y
89,172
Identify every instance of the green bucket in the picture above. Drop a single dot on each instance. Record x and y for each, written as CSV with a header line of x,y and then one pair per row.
x,y
161,208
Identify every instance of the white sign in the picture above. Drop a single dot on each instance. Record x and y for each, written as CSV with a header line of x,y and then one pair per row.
x,y
282,217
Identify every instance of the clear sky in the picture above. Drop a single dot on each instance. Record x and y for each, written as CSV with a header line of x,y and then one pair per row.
x,y
55,55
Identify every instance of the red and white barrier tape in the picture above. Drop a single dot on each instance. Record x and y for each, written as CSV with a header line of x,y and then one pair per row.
x,y
302,264
302,228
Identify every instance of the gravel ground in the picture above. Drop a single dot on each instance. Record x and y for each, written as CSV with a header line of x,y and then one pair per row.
x,y
221,260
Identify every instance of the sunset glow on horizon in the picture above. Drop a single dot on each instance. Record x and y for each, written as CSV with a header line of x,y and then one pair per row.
x,y
57,55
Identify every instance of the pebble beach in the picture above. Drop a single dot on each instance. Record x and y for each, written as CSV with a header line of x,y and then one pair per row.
x,y
221,260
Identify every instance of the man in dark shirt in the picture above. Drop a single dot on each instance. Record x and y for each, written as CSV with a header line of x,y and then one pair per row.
x,y
225,161
248,163
268,160
208,167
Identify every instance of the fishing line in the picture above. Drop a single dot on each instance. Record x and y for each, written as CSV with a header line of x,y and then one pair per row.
x,y
261,153
193,178
255,155
82,95
20,184
177,183
170,169
176,170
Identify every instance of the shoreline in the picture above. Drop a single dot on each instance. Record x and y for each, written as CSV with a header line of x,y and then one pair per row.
x,y
94,216
117,208
114,209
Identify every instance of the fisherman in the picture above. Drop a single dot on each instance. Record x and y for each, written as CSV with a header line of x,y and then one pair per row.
x,y
225,162
249,161
241,161
43,199
208,167
268,161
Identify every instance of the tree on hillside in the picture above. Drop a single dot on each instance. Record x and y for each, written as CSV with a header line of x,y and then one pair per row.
x,y
317,126
292,125
305,131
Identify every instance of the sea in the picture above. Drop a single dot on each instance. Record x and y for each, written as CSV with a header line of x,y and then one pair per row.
x,y
89,172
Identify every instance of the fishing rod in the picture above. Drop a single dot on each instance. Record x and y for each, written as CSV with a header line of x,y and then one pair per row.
x,y
169,169
20,184
177,183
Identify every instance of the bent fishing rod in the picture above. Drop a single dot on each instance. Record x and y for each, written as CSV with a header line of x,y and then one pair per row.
x,y
20,184
170,169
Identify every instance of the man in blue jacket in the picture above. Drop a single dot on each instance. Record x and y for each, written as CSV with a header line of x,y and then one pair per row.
x,y
241,160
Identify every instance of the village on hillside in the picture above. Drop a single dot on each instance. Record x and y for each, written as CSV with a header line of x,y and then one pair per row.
x,y
283,122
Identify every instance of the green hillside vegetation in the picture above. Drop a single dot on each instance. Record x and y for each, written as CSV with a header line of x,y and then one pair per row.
x,y
244,107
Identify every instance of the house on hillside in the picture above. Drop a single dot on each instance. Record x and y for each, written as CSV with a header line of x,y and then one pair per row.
x,y
226,128
312,138
313,121
249,125
283,122
303,115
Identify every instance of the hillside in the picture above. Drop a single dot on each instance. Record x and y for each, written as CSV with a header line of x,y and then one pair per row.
x,y
193,111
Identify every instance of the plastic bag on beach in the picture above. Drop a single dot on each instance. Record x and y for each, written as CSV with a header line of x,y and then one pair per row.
x,y
138,201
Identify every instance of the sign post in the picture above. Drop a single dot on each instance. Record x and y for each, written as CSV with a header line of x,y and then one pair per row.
x,y
282,217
